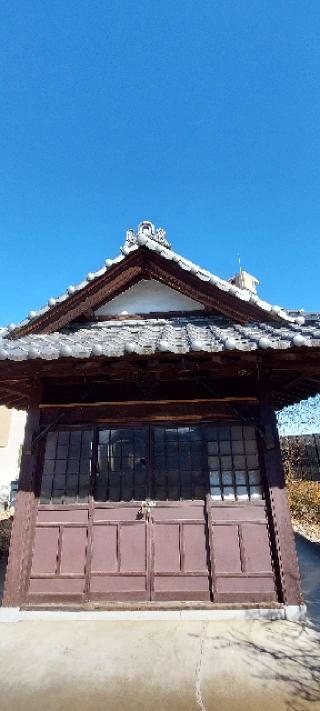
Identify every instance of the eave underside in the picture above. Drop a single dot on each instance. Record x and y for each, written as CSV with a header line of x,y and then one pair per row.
x,y
291,377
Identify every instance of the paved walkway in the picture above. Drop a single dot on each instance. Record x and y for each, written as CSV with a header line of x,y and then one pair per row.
x,y
151,665
146,666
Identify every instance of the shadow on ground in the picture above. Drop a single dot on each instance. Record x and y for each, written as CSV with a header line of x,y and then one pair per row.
x,y
284,657
309,562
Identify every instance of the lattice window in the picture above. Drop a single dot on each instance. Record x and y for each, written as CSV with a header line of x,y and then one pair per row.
x,y
179,464
67,467
161,462
122,465
233,463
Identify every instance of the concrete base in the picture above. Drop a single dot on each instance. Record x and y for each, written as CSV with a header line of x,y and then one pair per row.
x,y
293,613
178,664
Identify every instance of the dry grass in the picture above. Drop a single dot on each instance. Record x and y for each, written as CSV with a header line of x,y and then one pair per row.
x,y
304,501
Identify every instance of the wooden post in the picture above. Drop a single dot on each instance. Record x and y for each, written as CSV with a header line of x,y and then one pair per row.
x,y
22,523
278,499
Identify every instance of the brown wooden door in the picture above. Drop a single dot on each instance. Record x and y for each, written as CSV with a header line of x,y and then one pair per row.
x,y
59,557
187,545
119,561
240,552
179,558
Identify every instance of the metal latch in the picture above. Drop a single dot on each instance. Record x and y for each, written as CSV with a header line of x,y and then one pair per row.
x,y
146,507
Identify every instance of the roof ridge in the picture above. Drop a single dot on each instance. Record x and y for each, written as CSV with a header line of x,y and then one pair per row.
x,y
156,244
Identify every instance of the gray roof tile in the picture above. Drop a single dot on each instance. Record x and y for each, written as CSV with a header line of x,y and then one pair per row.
x,y
149,336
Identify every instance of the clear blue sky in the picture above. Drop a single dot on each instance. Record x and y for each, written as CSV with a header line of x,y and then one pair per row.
x,y
200,116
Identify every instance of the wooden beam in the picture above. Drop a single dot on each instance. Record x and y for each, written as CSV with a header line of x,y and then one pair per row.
x,y
46,406
277,498
21,537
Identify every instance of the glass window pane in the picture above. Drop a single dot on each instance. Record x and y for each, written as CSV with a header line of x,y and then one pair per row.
x,y
75,438
213,448
48,467
254,477
236,433
238,446
211,433
63,438
252,461
62,452
249,432
228,493
242,493
251,446
239,462
224,434
61,466
241,477
216,493
255,492
226,463
227,478
215,478
225,448
213,462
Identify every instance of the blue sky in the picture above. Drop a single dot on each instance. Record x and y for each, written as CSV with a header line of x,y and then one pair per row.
x,y
200,116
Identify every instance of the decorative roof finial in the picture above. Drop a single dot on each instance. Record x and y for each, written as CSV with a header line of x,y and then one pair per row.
x,y
146,230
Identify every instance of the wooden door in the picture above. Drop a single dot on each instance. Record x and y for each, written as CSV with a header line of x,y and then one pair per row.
x,y
179,554
119,561
59,556
240,552
93,542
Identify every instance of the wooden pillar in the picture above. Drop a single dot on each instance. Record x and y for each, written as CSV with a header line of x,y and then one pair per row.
x,y
278,500
20,544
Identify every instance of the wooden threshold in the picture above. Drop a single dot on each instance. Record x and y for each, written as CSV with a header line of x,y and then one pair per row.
x,y
156,605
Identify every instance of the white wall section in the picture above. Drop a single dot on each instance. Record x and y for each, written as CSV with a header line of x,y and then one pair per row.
x,y
148,296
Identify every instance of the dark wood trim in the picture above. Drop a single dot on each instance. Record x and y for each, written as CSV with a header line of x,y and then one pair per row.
x,y
282,533
152,315
127,403
23,523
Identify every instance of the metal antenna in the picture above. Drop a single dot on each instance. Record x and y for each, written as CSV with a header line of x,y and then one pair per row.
x,y
240,270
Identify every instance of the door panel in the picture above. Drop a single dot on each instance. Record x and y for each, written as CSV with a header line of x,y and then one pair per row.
x,y
132,547
119,553
240,553
73,550
59,556
45,551
179,566
104,549
226,549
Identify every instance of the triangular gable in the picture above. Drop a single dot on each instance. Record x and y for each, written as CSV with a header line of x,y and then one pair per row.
x,y
148,256
148,296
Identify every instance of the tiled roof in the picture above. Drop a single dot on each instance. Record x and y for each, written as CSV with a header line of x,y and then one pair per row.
x,y
154,240
116,338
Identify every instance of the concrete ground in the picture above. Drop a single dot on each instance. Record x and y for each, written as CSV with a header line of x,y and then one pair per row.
x,y
167,665
309,561
176,665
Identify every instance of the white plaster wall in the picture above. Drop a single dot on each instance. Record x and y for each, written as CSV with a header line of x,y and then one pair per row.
x,y
148,296
9,455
